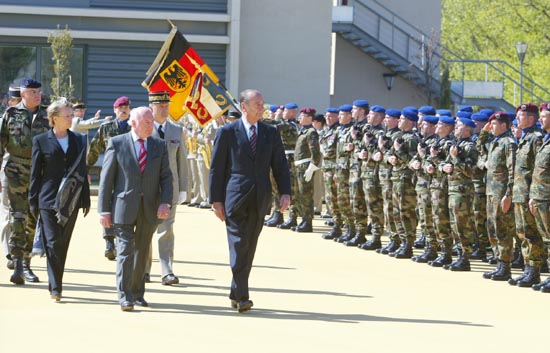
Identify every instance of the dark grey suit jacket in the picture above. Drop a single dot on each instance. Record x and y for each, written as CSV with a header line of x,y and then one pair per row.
x,y
122,186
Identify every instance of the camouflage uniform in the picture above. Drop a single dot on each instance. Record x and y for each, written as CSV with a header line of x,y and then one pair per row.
x,y
307,151
17,130
479,175
289,134
343,176
384,174
328,143
357,195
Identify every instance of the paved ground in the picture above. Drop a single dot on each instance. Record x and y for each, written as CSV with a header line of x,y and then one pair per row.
x,y
310,295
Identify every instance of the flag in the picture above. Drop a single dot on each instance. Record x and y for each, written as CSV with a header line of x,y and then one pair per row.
x,y
175,70
207,100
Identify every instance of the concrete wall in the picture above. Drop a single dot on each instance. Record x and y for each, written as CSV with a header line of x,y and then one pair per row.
x,y
423,14
289,62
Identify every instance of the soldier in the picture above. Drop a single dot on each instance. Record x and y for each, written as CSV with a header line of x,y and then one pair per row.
x,y
307,156
20,124
439,190
526,229
479,174
319,124
500,183
539,192
357,196
459,164
205,139
81,125
98,145
422,188
403,196
288,128
381,156
192,154
370,178
328,143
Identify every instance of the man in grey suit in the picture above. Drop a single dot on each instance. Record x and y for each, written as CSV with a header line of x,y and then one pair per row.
x,y
135,190
159,102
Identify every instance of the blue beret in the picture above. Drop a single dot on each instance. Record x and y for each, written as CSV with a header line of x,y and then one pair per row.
x,y
432,119
30,83
345,108
463,114
480,117
466,108
444,112
410,108
426,110
291,106
409,114
467,122
14,92
487,112
273,108
446,120
332,110
394,113
378,109
361,103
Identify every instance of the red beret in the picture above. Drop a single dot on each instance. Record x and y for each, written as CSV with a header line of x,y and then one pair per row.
x,y
308,111
544,106
500,116
121,101
528,107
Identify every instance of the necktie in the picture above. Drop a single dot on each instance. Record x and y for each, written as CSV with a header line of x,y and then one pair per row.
x,y
253,139
161,132
142,159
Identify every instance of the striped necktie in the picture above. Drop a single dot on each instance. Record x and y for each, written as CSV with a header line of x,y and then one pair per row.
x,y
253,139
142,159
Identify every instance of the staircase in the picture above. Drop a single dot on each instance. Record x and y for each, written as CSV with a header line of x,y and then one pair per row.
x,y
416,56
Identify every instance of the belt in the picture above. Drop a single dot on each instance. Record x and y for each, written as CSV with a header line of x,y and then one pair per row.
x,y
289,151
302,161
20,160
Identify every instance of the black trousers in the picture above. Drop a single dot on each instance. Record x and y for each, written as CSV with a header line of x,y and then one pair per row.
x,y
56,243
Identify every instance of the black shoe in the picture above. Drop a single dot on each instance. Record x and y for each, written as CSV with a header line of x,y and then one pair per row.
x,y
503,272
462,264
335,232
489,274
291,222
479,254
276,219
373,243
17,277
244,305
358,239
539,286
429,254
545,288
491,260
444,259
346,236
126,306
518,262
27,272
330,223
532,277
326,215
141,302
170,279
234,304
110,249
193,204
406,251
392,246
316,213
304,227
455,250
514,281
420,243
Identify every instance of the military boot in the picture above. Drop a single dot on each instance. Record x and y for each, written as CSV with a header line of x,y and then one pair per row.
x,y
444,258
489,274
503,272
299,225
276,219
479,254
304,227
10,265
429,254
405,251
539,286
335,232
392,246
290,222
18,277
27,272
514,281
373,243
346,236
330,222
270,217
110,250
533,277
518,262
462,264
545,288
420,242
358,239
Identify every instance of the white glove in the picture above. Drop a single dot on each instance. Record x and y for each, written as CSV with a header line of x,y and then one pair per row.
x,y
309,171
182,196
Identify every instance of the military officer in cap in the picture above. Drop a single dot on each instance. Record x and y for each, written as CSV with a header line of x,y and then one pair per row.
x,y
20,124
319,123
80,124
98,145
532,245
307,159
500,182
328,142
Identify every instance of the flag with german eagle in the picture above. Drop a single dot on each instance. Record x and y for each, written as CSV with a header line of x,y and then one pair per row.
x,y
179,70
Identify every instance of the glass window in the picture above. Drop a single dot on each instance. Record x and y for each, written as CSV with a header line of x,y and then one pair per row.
x,y
16,63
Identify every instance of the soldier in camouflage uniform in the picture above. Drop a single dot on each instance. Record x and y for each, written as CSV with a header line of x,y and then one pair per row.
x,y
370,177
112,128
439,190
480,197
459,165
288,129
328,142
307,160
357,196
539,193
381,156
526,228
500,182
18,127
403,195
422,188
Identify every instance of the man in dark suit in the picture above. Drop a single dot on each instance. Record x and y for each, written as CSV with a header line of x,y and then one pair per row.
x,y
240,188
135,190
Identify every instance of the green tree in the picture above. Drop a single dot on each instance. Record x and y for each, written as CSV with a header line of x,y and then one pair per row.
x,y
445,92
61,43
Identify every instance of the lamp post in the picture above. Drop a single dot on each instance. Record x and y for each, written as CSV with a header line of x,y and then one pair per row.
x,y
389,78
521,49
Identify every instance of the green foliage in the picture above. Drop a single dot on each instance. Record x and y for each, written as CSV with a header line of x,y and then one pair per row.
x,y
61,43
489,30
445,93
